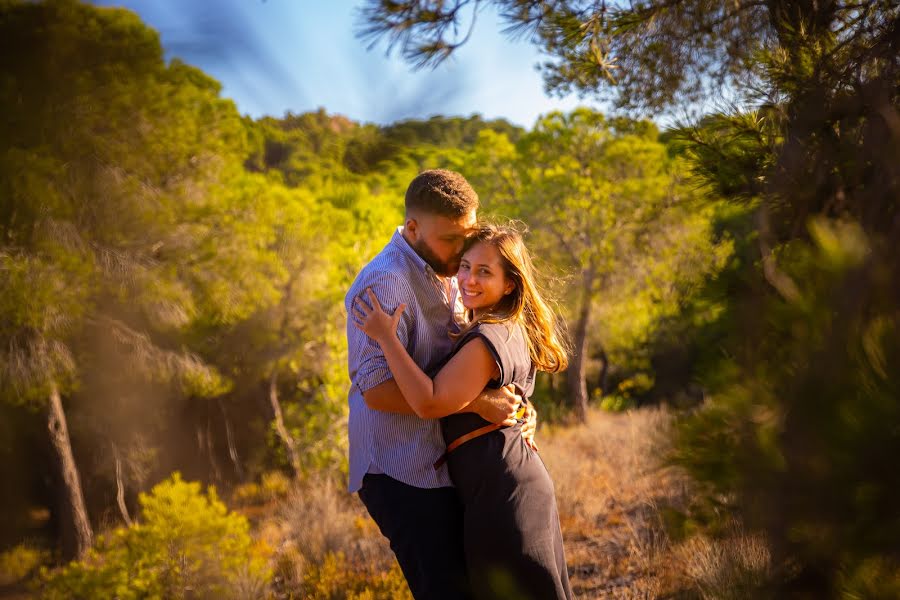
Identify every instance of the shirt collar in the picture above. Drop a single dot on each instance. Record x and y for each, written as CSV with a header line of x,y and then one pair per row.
x,y
401,244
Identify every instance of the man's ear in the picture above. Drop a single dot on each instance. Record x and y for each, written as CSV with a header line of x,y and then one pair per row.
x,y
411,227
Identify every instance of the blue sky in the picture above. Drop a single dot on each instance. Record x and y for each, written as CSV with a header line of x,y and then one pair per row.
x,y
273,56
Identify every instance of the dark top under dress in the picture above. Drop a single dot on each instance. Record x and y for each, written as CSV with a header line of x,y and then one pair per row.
x,y
512,537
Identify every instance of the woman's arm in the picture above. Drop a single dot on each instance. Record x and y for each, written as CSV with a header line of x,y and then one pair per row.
x,y
456,385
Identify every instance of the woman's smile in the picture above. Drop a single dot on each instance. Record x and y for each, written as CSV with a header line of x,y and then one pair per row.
x,y
482,278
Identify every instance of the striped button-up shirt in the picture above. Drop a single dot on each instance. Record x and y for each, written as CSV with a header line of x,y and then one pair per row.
x,y
403,447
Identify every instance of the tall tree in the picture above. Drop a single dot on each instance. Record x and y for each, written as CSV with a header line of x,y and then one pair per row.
x,y
803,393
593,191
110,163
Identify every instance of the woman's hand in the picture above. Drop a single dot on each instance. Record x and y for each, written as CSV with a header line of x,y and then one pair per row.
x,y
376,323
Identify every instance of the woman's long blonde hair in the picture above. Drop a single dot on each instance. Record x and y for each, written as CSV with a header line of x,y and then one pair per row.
x,y
525,304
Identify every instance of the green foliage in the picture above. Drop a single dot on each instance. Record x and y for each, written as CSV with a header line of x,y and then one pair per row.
x,y
796,336
156,248
131,154
608,206
21,562
144,264
874,578
307,148
800,444
186,545
616,401
391,145
274,484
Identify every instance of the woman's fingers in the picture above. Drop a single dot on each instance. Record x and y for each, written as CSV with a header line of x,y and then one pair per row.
x,y
358,313
359,304
374,299
398,312
363,313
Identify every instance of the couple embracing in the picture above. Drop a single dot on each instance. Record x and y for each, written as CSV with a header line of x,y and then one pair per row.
x,y
446,329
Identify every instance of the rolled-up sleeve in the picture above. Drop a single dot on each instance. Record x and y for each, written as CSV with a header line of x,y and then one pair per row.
x,y
367,364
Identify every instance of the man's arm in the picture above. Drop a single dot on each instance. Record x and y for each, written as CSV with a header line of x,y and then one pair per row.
x,y
496,406
368,366
387,397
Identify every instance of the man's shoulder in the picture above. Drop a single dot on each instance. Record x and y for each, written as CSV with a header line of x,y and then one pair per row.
x,y
390,268
389,262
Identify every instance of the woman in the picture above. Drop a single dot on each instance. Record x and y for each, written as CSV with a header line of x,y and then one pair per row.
x,y
512,537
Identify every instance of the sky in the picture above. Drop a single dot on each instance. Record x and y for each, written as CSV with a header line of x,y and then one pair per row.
x,y
274,56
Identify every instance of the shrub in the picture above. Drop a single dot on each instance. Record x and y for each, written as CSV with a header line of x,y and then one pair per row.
x,y
19,562
799,436
272,486
187,544
336,579
247,493
275,484
329,548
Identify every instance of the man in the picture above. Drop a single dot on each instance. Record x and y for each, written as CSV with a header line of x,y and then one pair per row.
x,y
392,451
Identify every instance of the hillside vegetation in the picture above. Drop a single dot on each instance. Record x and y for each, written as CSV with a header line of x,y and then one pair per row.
x,y
171,308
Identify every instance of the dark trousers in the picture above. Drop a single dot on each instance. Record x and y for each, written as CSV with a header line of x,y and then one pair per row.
x,y
425,528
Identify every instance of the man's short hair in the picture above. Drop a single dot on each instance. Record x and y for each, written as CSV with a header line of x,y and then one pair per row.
x,y
441,192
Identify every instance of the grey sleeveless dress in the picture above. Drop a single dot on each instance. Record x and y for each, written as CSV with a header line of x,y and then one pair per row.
x,y
513,543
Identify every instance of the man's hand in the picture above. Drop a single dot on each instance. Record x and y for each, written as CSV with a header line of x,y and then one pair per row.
x,y
530,426
497,406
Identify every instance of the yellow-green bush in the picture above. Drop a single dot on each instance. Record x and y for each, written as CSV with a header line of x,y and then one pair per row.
x,y
17,563
186,544
337,579
247,493
275,484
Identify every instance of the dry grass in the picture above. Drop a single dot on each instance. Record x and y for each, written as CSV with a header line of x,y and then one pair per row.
x,y
612,492
611,488
729,569
610,485
317,526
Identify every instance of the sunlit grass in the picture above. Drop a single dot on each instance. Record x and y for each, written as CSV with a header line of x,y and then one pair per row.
x,y
613,492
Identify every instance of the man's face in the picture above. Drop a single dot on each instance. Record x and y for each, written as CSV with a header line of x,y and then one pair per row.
x,y
439,240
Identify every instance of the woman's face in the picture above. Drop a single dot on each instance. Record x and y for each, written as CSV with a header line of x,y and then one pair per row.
x,y
482,278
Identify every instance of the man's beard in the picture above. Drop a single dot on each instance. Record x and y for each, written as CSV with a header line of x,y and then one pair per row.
x,y
444,269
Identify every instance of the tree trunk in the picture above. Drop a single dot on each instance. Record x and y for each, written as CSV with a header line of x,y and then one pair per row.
x,y
602,378
215,471
232,448
577,380
120,486
81,532
282,431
